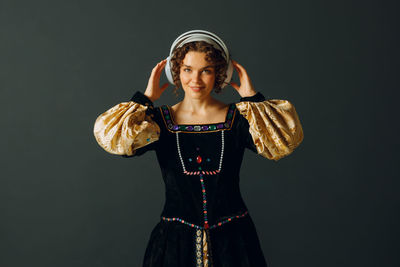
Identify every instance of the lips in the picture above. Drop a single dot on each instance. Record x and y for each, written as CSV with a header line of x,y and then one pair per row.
x,y
196,88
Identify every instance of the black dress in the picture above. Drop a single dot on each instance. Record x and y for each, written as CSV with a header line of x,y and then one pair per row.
x,y
204,221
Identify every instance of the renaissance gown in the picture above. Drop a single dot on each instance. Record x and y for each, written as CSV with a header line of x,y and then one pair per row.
x,y
204,221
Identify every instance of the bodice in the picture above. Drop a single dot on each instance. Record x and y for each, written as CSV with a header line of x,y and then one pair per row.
x,y
200,165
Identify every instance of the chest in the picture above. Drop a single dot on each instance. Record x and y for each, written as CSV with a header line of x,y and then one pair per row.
x,y
187,118
204,146
209,118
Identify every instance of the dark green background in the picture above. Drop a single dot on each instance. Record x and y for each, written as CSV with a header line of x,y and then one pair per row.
x,y
66,202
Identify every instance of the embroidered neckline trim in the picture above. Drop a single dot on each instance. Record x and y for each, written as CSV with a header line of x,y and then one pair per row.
x,y
197,128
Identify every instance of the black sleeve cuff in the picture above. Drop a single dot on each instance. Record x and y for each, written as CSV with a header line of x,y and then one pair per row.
x,y
258,97
140,98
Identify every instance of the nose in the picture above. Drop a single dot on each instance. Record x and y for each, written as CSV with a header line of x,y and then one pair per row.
x,y
195,76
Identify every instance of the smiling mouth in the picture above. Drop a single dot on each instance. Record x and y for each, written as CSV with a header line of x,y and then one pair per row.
x,y
196,88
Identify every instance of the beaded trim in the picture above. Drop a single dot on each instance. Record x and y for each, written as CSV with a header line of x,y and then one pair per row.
x,y
203,249
203,190
197,128
199,252
214,172
176,219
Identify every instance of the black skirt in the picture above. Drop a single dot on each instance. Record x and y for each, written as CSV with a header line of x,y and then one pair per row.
x,y
172,244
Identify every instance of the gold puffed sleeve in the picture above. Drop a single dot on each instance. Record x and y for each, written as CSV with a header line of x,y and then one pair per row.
x,y
274,126
124,128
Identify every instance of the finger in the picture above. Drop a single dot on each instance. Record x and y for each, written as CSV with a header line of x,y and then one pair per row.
x,y
159,71
165,85
241,68
162,62
240,74
160,66
239,71
153,77
235,85
235,63
153,72
156,73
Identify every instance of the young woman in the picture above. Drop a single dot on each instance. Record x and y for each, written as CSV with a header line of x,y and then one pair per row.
x,y
199,143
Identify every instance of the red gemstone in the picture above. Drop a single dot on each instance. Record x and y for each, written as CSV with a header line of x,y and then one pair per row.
x,y
199,159
206,226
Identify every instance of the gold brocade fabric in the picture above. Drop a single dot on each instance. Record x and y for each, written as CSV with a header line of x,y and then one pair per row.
x,y
274,126
205,249
124,128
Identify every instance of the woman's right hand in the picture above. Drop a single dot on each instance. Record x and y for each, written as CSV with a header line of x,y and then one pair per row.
x,y
153,90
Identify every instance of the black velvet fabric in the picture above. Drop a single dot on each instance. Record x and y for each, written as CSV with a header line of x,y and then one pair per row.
x,y
172,243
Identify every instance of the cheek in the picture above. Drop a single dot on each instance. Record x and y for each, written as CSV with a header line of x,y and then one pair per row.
x,y
183,77
210,79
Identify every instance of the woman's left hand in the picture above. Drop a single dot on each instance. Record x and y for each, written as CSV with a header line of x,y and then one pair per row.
x,y
246,87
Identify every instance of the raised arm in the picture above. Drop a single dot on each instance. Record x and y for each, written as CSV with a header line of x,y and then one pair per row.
x,y
269,127
272,127
127,126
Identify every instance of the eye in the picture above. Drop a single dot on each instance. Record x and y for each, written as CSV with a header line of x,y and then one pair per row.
x,y
206,71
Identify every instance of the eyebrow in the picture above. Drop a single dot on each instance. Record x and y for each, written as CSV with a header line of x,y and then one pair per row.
x,y
201,68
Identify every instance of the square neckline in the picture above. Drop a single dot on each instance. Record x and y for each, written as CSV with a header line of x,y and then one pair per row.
x,y
197,127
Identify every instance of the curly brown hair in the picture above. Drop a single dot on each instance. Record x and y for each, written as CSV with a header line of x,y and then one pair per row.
x,y
213,55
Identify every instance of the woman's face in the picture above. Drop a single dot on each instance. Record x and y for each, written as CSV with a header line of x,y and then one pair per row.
x,y
197,75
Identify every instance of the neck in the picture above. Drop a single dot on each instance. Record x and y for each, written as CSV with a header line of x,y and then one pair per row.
x,y
197,105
